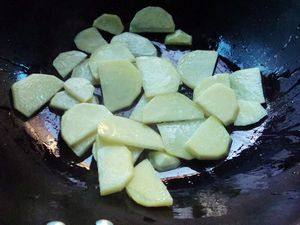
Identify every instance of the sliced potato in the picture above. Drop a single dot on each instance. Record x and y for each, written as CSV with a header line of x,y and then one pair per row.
x,y
179,37
146,188
249,112
247,85
162,161
79,88
115,168
89,40
196,65
81,121
152,19
80,148
32,92
219,101
210,141
159,75
63,101
66,61
137,44
124,131
171,107
137,113
109,52
120,82
83,71
175,136
110,23
136,152
222,78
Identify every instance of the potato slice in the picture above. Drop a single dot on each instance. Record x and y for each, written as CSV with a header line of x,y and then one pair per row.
x,y
171,107
137,113
89,40
110,23
83,71
137,44
247,85
210,141
115,168
63,101
152,19
79,88
179,37
136,152
124,131
175,136
109,52
249,112
146,189
222,78
121,84
66,61
219,101
162,161
159,75
81,121
196,65
81,148
32,92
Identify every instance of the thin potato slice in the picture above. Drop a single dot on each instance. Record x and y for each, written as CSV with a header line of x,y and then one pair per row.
x,y
196,65
121,84
152,19
81,121
81,148
83,71
249,112
247,85
79,88
179,37
110,23
171,107
210,141
115,168
32,92
175,136
159,75
63,101
219,101
89,40
146,188
137,44
66,61
124,131
162,161
137,113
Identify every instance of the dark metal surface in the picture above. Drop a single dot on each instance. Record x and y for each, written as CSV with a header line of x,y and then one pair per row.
x,y
259,183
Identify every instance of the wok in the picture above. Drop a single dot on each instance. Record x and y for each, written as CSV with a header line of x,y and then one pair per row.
x,y
259,182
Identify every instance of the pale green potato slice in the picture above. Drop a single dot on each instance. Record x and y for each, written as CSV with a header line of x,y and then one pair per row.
x,y
121,84
128,132
196,65
81,148
66,61
179,37
136,152
110,23
171,107
137,44
249,112
79,88
63,101
32,92
137,113
152,20
162,161
83,71
89,40
247,85
175,136
146,188
109,52
81,121
210,141
115,168
222,78
219,101
158,74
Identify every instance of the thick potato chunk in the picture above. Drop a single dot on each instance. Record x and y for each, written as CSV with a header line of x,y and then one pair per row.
x,y
162,161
